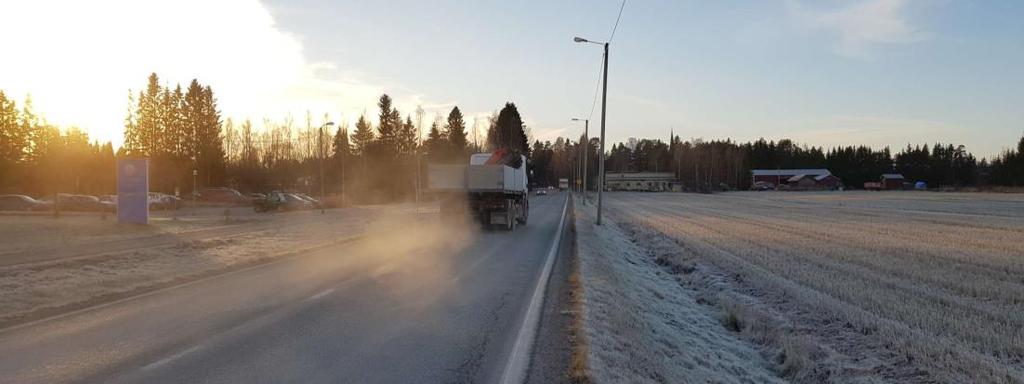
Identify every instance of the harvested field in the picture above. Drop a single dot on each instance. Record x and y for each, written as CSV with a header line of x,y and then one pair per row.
x,y
890,286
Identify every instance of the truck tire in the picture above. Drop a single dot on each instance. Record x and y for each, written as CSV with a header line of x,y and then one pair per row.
x,y
511,215
525,211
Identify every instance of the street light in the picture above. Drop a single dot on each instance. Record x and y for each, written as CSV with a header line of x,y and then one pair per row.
x,y
321,142
604,109
586,149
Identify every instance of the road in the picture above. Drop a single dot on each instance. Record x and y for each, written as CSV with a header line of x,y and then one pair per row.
x,y
417,300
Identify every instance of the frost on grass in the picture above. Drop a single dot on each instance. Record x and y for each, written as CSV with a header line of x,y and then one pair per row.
x,y
642,326
39,289
852,287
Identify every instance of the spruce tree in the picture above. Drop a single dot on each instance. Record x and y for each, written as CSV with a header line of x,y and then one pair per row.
x,y
455,131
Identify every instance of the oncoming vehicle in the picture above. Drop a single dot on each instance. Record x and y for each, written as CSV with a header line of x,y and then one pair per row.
x,y
541,192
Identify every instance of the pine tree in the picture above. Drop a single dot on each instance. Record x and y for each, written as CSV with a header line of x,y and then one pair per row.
x,y
407,137
455,131
436,143
387,129
509,132
362,138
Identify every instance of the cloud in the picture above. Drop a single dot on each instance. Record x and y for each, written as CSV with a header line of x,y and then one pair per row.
x,y
861,25
78,59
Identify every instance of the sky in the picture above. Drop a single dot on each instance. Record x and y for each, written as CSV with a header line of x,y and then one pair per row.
x,y
823,73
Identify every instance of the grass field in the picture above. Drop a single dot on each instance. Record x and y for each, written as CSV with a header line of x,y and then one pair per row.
x,y
889,286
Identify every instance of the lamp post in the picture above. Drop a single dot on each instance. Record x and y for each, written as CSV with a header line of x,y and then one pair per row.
x,y
604,110
586,150
322,153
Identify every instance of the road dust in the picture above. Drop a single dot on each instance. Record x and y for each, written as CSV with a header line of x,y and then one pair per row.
x,y
412,257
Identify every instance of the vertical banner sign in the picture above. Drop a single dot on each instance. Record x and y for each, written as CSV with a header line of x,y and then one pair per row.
x,y
133,191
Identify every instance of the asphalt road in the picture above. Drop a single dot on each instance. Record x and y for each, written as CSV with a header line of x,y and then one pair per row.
x,y
419,300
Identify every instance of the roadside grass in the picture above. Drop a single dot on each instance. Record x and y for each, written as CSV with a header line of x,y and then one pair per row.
x,y
579,368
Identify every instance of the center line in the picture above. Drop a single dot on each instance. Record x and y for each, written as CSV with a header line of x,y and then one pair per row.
x,y
319,295
171,358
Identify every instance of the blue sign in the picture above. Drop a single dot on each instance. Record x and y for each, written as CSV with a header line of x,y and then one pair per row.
x,y
133,191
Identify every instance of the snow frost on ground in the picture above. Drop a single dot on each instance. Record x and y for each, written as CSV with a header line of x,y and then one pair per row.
x,y
643,326
34,290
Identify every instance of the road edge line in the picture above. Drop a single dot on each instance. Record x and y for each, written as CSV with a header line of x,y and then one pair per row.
x,y
519,358
279,258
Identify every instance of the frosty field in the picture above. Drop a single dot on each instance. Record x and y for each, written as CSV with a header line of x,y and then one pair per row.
x,y
849,286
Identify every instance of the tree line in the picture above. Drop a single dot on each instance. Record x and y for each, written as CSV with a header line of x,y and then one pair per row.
x,y
182,132
722,164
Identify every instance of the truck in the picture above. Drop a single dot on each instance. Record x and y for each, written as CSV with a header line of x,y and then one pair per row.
x,y
563,184
487,189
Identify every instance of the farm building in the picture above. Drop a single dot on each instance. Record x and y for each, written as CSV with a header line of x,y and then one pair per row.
x,y
796,178
892,181
639,181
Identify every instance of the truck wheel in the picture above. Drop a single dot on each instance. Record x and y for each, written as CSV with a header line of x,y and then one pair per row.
x,y
525,213
511,215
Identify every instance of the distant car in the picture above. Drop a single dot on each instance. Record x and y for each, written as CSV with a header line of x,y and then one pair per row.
x,y
316,203
272,201
762,186
254,197
22,203
108,199
542,192
222,195
294,202
163,201
66,202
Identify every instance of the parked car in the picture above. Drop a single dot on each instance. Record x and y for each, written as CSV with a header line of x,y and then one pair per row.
x,y
164,201
109,199
254,197
316,203
66,202
222,195
273,201
22,203
294,202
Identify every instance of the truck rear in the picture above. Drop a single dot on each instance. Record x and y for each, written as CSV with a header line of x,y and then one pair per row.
x,y
492,193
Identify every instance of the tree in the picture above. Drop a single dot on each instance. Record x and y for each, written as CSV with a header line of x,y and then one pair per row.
x,y
362,138
436,143
455,132
407,138
388,128
509,132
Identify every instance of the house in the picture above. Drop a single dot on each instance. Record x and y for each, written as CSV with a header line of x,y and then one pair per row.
x,y
819,182
892,181
796,178
639,181
781,176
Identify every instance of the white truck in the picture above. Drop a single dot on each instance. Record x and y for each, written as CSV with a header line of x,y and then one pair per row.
x,y
494,194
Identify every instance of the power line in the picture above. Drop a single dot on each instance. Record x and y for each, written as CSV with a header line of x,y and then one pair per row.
x,y
597,89
617,21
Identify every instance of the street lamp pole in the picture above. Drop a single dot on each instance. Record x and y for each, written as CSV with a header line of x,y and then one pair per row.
x,y
586,151
604,110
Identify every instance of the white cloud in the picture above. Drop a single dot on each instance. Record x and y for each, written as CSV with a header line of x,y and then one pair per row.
x,y
79,58
861,25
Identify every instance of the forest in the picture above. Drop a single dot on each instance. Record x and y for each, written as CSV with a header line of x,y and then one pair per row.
x,y
182,132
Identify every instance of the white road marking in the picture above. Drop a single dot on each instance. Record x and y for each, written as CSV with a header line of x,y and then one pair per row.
x,y
171,358
319,295
519,358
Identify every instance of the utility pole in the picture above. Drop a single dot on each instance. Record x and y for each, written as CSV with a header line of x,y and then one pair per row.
x,y
604,114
